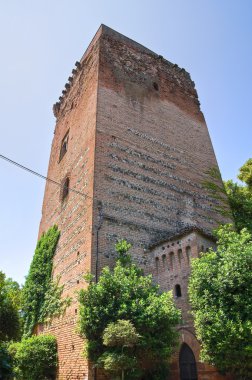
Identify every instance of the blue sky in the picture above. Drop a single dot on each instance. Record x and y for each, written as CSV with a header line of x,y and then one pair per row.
x,y
41,40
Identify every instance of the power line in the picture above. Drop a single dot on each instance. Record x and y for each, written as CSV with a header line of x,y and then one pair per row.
x,y
42,176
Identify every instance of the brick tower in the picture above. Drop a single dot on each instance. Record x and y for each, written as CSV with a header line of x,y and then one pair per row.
x,y
132,143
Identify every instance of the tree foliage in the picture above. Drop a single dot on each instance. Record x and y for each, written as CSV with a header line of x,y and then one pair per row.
x,y
125,294
9,309
220,291
240,201
121,333
245,173
122,338
233,200
35,358
240,197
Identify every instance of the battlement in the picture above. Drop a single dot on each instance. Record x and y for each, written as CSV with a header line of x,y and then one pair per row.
x,y
135,62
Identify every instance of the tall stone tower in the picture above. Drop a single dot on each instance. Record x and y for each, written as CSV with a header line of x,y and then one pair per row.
x,y
132,151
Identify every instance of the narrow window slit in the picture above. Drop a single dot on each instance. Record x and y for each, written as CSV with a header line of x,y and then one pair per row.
x,y
178,292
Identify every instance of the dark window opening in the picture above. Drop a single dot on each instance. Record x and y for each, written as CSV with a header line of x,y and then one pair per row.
x,y
178,292
64,146
180,256
65,188
201,251
171,260
188,253
164,259
157,263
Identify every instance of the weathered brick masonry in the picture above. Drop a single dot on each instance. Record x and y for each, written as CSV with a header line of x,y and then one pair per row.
x,y
138,146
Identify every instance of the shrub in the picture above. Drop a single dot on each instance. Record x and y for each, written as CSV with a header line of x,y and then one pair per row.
x,y
35,358
5,362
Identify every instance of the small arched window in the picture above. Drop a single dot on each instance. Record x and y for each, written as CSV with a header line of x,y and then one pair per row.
x,y
172,260
188,253
180,256
178,292
201,250
64,146
157,263
65,188
164,260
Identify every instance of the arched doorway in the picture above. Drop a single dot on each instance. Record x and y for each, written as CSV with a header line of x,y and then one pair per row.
x,y
187,364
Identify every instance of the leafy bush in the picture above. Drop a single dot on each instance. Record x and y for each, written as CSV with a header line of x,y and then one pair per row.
x,y
35,358
5,362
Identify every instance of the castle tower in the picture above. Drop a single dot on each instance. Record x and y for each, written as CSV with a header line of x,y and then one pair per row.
x,y
132,143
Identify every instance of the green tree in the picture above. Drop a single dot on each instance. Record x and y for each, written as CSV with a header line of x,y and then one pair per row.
x,y
245,173
240,201
125,294
240,197
220,291
121,337
10,321
9,309
35,358
233,200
